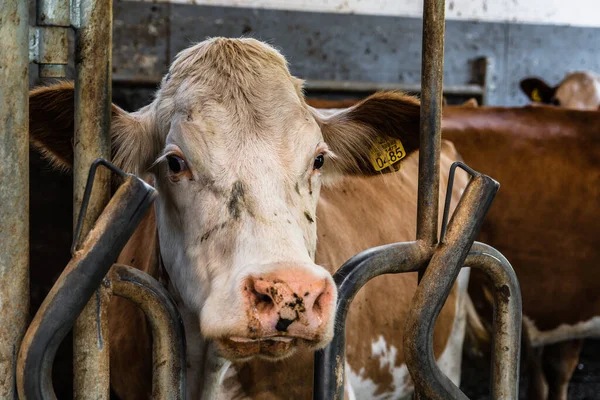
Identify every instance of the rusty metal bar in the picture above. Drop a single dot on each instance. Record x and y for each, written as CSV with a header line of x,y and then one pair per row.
x,y
92,20
432,292
50,42
506,344
168,349
329,375
432,71
14,181
357,87
76,285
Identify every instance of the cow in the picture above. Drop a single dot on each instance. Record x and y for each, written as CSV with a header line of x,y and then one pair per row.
x,y
578,90
245,172
544,220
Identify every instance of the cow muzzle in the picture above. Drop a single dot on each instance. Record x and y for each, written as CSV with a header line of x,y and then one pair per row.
x,y
286,308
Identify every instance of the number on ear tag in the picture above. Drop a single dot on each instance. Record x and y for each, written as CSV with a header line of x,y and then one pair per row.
x,y
386,151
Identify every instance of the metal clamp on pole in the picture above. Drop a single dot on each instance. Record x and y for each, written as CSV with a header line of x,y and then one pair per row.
x,y
78,282
434,288
48,42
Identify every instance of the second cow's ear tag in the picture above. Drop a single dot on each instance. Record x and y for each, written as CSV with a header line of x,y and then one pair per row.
x,y
535,95
386,152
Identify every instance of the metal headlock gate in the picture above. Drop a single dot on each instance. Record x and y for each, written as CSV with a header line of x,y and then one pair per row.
x,y
80,297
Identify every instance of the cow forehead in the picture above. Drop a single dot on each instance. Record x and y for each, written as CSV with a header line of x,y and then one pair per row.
x,y
241,74
233,86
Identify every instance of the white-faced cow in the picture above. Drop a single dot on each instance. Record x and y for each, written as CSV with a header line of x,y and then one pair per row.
x,y
579,90
246,171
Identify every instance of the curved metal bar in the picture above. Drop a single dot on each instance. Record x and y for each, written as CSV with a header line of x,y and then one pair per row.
x,y
88,192
432,292
506,343
168,336
350,278
76,285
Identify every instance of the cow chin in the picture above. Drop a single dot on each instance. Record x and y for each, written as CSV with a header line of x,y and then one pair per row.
x,y
269,348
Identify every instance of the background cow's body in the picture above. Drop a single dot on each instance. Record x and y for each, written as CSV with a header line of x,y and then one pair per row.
x,y
545,218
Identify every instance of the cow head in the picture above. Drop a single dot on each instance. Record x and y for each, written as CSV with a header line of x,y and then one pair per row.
x,y
238,159
579,90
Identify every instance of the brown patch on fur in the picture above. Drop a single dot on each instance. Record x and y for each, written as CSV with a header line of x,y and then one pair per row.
x,y
351,134
327,104
51,124
51,130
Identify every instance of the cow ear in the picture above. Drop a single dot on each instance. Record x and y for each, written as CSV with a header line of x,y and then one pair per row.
x,y
537,90
51,129
373,136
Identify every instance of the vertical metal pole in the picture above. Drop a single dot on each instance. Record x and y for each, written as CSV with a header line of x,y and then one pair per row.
x,y
92,20
432,68
14,184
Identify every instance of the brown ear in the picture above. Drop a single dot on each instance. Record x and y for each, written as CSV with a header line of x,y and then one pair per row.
x,y
51,122
537,90
51,129
372,136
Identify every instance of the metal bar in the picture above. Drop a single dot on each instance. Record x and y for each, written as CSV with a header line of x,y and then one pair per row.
x,y
484,74
93,42
433,290
355,86
168,350
53,19
53,13
506,344
317,85
432,72
14,181
350,278
76,285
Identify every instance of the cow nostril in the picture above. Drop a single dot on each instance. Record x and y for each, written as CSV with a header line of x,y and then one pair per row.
x,y
283,324
264,298
317,309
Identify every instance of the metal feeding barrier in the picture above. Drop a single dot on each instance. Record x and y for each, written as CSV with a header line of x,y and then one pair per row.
x,y
438,263
81,295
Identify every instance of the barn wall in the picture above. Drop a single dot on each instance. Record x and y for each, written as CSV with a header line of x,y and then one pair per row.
x,y
362,47
556,12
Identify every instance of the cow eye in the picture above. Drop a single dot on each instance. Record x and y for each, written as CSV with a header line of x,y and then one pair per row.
x,y
176,164
319,160
556,102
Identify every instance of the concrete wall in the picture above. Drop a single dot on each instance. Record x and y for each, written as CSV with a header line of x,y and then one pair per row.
x,y
363,47
552,12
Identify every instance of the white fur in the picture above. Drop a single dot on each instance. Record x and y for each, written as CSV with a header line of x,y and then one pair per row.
x,y
580,90
449,361
582,330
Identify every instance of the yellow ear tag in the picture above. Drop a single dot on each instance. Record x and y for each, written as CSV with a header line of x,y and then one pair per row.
x,y
535,96
386,151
